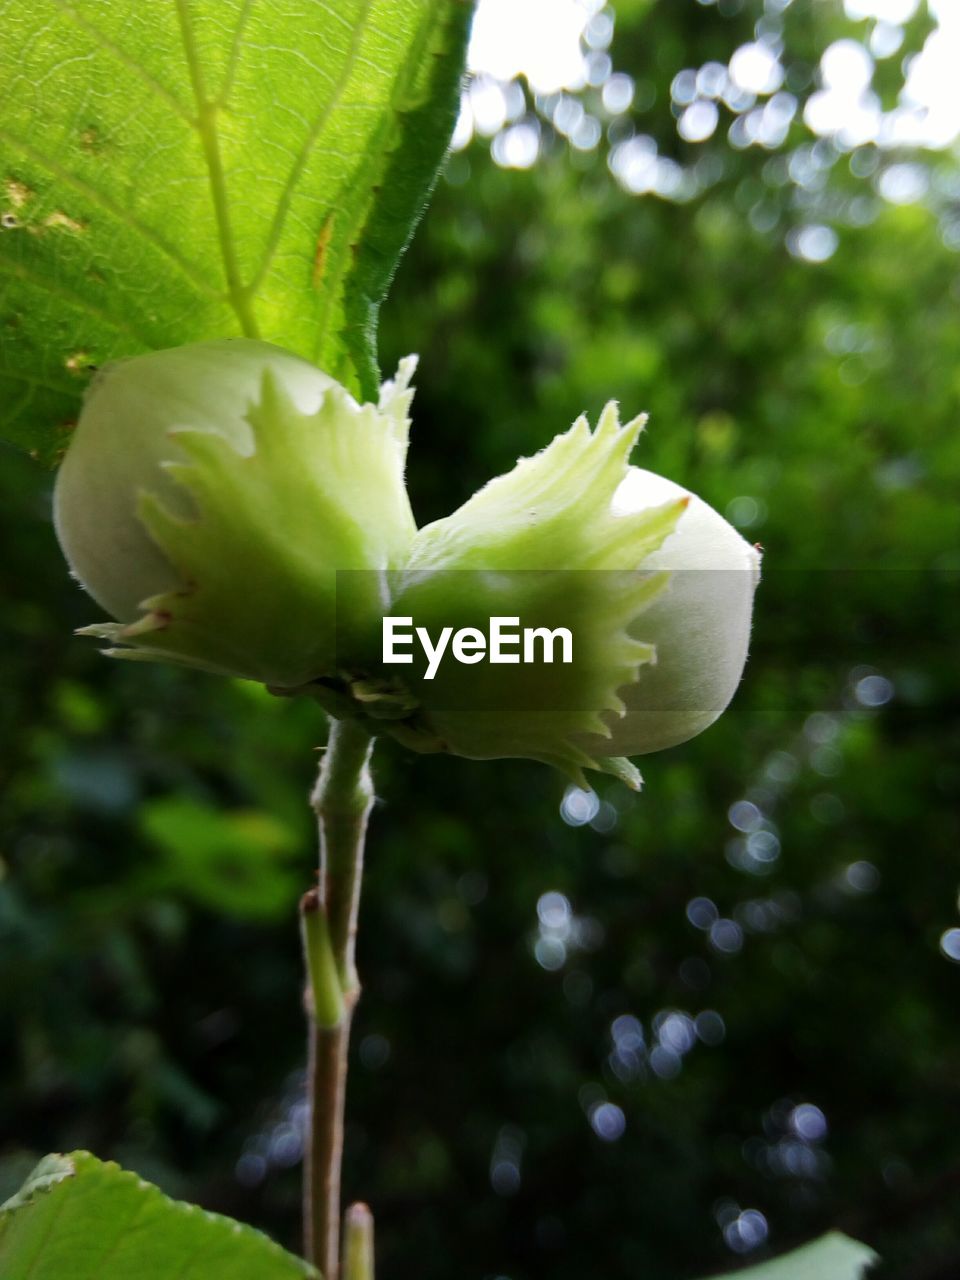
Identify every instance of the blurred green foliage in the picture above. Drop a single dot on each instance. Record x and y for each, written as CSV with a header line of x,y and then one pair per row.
x,y
154,832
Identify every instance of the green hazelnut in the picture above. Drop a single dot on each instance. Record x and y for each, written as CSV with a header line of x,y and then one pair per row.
x,y
211,492
655,586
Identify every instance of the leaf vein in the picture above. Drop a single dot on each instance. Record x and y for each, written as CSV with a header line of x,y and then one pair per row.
x,y
286,196
376,155
122,215
62,388
236,48
108,46
77,300
210,142
38,1256
124,1233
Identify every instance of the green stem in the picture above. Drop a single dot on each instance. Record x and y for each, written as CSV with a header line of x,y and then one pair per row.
x,y
342,800
357,1243
323,981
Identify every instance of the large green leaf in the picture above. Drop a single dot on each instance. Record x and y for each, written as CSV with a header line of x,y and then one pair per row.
x,y
832,1257
79,1219
187,169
